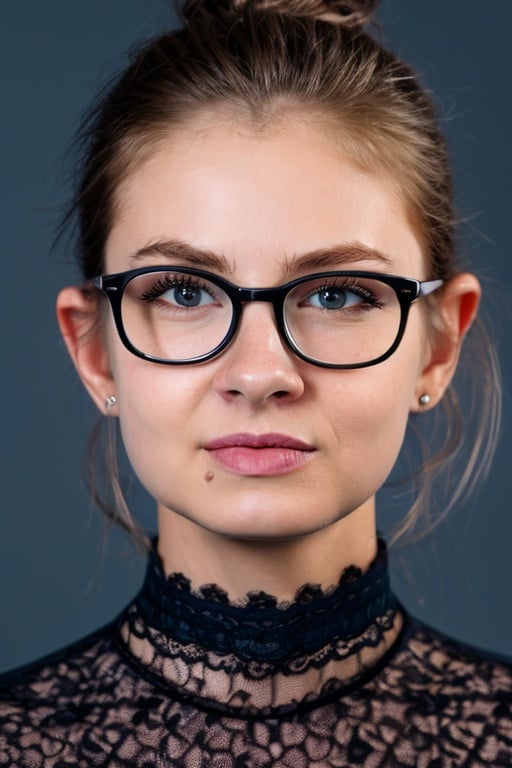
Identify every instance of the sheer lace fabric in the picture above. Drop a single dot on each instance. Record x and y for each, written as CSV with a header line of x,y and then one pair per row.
x,y
258,658
337,679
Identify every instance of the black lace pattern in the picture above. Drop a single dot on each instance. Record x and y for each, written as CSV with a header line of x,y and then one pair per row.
x,y
258,629
257,657
382,691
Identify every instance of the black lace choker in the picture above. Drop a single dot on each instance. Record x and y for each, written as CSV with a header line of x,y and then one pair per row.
x,y
259,628
257,657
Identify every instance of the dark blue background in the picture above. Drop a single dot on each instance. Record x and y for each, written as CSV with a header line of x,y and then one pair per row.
x,y
57,579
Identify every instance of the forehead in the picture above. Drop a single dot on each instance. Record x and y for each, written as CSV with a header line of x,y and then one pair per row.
x,y
259,200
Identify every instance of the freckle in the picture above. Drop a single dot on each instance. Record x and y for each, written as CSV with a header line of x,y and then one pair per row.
x,y
209,477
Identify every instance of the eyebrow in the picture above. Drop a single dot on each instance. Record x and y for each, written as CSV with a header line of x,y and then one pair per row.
x,y
181,252
331,257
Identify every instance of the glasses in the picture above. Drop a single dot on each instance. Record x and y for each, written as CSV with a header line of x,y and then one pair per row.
x,y
338,319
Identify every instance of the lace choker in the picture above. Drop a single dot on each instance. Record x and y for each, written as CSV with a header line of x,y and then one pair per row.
x,y
258,656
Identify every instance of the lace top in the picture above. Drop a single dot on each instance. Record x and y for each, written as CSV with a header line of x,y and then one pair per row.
x,y
337,678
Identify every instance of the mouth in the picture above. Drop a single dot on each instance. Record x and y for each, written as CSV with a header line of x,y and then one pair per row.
x,y
252,455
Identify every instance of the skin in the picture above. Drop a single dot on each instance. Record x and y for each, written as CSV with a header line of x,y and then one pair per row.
x,y
262,201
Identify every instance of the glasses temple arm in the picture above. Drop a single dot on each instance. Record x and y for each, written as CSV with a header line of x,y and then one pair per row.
x,y
428,286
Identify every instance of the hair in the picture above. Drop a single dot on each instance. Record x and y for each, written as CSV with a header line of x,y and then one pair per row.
x,y
267,60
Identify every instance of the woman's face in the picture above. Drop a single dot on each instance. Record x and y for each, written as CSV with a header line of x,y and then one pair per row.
x,y
258,204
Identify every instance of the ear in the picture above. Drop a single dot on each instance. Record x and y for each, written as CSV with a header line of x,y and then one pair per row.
x,y
79,318
455,311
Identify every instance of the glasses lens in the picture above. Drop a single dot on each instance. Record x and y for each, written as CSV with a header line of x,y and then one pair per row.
x,y
343,320
174,316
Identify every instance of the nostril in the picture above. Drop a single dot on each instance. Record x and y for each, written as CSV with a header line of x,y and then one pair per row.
x,y
280,393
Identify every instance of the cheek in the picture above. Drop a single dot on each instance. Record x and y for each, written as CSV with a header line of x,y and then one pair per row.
x,y
370,416
157,405
369,409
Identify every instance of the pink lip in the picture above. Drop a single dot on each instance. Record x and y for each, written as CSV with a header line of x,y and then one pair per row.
x,y
270,454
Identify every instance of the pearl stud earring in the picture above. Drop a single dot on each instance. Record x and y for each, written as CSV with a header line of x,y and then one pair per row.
x,y
110,401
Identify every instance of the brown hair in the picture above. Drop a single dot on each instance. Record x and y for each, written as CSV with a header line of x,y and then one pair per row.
x,y
263,59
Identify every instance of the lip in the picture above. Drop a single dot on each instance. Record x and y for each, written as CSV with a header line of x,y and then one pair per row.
x,y
258,455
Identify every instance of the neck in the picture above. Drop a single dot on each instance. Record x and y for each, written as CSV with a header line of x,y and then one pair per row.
x,y
278,567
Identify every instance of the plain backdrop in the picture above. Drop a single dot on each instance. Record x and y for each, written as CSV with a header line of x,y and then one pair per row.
x,y
58,578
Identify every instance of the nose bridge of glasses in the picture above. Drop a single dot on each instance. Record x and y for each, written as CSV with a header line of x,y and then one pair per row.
x,y
271,295
274,296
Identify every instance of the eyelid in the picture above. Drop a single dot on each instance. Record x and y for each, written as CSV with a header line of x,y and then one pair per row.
x,y
166,280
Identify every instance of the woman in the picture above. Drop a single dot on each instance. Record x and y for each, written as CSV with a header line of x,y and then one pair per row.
x,y
269,297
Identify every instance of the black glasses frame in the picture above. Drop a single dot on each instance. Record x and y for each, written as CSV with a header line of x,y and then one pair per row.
x,y
406,289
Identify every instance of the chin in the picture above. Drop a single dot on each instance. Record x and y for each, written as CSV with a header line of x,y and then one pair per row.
x,y
264,520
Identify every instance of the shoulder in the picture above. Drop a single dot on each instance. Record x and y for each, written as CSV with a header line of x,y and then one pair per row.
x,y
58,686
451,696
50,707
452,666
79,655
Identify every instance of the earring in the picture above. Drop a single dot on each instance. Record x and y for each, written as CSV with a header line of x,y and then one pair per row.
x,y
424,399
110,401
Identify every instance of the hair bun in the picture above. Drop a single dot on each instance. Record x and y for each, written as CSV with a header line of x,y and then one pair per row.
x,y
349,13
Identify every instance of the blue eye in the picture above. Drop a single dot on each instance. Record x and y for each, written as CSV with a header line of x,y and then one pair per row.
x,y
179,291
187,296
334,297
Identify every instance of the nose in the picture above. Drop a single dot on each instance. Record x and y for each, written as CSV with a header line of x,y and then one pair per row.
x,y
257,366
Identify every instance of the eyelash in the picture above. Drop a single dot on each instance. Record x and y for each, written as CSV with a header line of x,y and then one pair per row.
x,y
166,282
352,287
